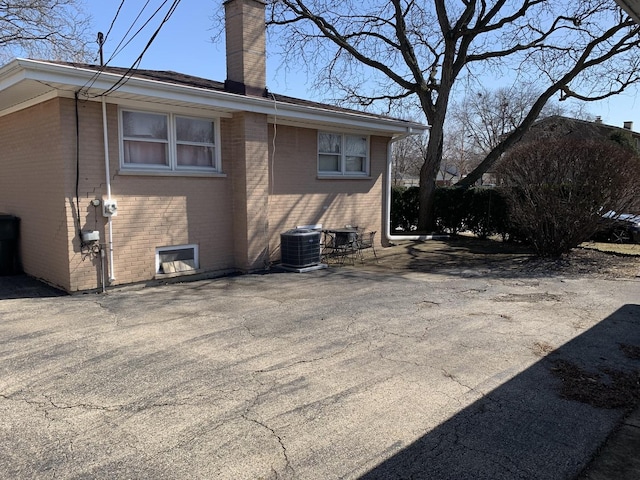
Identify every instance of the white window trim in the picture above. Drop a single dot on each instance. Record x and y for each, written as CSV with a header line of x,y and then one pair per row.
x,y
173,168
343,173
193,246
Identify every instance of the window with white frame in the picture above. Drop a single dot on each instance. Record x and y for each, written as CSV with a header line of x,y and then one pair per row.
x,y
177,259
167,142
341,154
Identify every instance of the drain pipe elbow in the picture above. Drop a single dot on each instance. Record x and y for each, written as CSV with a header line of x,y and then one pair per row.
x,y
387,201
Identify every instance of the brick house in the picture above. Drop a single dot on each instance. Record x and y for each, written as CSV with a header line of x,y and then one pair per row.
x,y
159,165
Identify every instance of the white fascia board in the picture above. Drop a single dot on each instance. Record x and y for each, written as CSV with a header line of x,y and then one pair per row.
x,y
77,78
10,74
356,121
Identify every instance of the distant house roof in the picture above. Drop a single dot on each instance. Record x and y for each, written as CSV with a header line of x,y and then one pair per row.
x,y
560,126
26,82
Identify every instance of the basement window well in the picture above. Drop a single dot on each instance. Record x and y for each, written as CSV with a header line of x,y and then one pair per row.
x,y
177,259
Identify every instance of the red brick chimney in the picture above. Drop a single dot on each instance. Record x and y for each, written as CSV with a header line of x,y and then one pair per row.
x,y
245,29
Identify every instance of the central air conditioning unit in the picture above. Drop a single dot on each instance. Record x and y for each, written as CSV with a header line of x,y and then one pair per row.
x,y
300,248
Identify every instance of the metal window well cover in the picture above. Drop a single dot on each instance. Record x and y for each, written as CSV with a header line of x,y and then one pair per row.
x,y
300,250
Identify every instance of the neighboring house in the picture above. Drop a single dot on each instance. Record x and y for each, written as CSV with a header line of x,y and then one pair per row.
x,y
447,176
557,126
199,177
406,180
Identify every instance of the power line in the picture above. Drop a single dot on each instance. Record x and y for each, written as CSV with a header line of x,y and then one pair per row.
x,y
123,79
114,20
103,38
120,46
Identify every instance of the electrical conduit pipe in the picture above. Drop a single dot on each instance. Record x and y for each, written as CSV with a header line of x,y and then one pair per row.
x,y
108,181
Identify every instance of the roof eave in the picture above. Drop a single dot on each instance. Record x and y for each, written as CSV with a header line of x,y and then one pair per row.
x,y
76,78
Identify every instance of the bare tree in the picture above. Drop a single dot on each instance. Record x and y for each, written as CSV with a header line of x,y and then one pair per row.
x,y
407,158
482,118
459,152
486,116
46,29
388,50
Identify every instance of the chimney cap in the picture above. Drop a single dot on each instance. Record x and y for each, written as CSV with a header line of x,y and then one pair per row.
x,y
628,125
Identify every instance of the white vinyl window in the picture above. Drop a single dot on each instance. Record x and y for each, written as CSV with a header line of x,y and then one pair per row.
x,y
341,154
145,139
168,142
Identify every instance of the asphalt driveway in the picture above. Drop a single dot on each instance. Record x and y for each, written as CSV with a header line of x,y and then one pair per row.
x,y
339,373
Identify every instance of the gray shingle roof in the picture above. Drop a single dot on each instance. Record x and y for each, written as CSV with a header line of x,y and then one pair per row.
x,y
177,78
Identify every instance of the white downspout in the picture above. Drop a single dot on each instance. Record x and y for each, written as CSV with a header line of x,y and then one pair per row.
x,y
387,200
108,181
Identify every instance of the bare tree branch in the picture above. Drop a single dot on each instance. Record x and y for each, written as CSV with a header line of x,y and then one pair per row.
x,y
50,29
391,50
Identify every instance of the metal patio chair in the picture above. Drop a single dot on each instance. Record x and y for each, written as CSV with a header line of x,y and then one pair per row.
x,y
365,241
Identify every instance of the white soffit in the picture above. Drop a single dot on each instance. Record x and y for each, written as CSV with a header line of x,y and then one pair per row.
x,y
23,82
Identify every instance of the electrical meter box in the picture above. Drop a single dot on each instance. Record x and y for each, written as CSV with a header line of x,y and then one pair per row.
x,y
109,208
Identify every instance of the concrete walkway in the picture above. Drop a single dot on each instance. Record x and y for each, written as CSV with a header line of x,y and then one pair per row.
x,y
341,373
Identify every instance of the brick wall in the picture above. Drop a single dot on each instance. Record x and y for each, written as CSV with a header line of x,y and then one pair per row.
x,y
32,187
245,42
299,197
248,137
153,211
236,221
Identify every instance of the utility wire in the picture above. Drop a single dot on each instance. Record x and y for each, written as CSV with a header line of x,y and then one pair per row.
x,y
123,79
121,46
102,39
114,20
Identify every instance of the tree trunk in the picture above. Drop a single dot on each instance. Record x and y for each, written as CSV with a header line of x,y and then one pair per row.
x,y
428,175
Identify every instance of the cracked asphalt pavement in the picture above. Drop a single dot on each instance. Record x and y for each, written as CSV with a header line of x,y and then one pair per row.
x,y
341,373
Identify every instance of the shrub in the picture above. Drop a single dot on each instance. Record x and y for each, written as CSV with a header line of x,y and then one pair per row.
x,y
481,210
404,208
449,209
486,212
558,190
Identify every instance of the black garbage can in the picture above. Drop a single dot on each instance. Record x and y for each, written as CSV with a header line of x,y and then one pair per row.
x,y
9,229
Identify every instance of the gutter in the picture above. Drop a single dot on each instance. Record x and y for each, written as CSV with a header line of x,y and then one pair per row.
x,y
387,200
58,76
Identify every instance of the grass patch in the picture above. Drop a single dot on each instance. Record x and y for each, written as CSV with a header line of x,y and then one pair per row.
x,y
632,249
